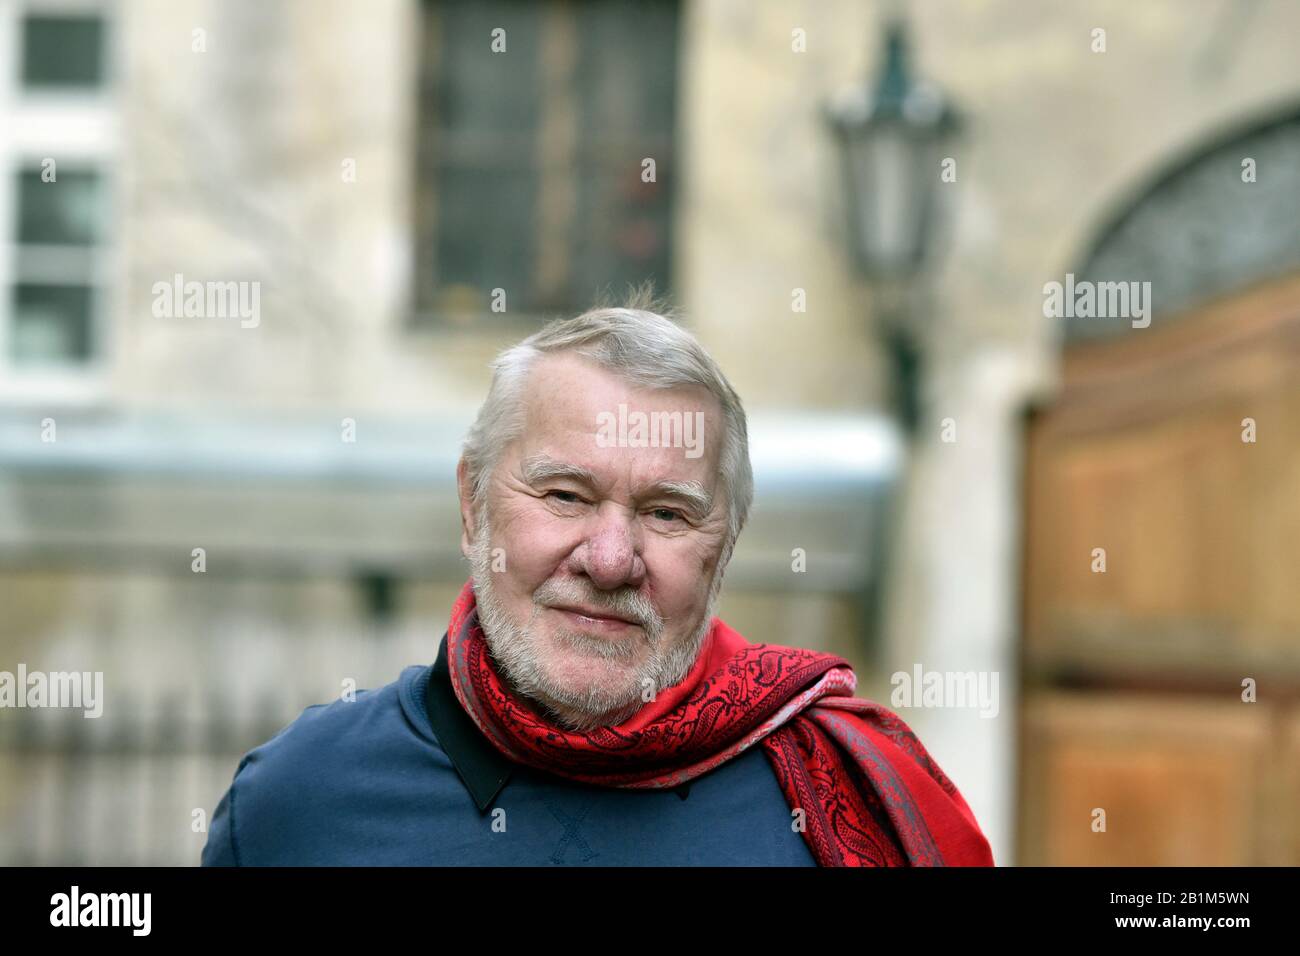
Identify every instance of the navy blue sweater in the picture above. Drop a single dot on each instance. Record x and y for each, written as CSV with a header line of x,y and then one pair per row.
x,y
401,777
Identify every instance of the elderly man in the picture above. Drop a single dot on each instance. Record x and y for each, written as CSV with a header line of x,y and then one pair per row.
x,y
586,706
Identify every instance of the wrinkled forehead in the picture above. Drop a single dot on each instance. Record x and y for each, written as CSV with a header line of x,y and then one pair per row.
x,y
579,413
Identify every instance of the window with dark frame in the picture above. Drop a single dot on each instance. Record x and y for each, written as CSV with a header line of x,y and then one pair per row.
x,y
530,159
59,223
62,52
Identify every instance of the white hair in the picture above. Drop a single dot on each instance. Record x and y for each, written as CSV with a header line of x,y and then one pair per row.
x,y
640,342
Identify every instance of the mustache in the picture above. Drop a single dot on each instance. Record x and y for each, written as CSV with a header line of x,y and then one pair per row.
x,y
626,603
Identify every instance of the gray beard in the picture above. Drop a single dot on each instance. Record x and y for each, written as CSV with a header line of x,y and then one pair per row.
x,y
514,648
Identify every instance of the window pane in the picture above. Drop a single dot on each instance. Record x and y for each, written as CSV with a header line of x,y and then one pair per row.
x,y
67,211
485,237
477,90
476,154
63,52
51,323
627,112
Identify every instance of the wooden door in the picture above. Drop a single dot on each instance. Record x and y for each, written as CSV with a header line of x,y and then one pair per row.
x,y
1161,577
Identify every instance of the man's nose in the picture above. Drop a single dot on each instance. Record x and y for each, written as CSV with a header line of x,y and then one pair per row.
x,y
611,555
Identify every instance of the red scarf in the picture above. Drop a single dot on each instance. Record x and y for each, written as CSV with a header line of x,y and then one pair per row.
x,y
869,792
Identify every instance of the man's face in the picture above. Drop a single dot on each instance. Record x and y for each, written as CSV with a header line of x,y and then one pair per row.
x,y
573,522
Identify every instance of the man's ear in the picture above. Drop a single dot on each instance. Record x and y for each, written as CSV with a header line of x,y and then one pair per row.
x,y
466,494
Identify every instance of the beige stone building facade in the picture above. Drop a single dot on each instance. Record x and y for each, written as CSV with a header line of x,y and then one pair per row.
x,y
306,148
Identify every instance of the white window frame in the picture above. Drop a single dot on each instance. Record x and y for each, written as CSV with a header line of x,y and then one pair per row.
x,y
78,130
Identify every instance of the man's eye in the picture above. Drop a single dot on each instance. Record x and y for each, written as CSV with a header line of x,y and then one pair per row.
x,y
571,499
666,514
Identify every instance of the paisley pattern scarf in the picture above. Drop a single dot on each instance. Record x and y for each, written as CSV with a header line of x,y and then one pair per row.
x,y
856,778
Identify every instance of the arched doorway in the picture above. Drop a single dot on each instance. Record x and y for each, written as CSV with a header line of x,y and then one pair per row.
x,y
1162,533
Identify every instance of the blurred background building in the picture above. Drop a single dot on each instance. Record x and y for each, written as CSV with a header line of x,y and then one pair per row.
x,y
233,519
